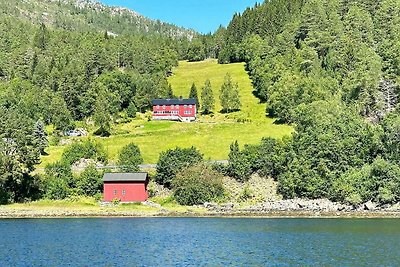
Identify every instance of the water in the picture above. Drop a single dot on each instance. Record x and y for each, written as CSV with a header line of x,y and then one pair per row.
x,y
200,242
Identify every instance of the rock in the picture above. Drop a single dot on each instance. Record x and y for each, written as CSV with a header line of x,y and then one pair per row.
x,y
151,204
228,205
210,205
369,205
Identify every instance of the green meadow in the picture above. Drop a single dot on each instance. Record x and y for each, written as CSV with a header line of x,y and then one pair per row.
x,y
211,134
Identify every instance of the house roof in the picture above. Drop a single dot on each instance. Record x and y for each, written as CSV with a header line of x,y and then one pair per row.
x,y
125,177
174,101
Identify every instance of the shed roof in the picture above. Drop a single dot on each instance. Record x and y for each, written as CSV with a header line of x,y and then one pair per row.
x,y
125,177
174,101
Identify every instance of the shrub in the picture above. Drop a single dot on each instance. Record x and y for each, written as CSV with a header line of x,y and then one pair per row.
x,y
88,149
58,181
378,182
197,184
174,160
90,182
131,110
130,158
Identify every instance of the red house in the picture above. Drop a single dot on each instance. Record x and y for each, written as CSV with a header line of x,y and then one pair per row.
x,y
126,187
175,109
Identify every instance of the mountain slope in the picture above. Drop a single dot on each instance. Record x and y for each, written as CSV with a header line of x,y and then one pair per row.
x,y
86,15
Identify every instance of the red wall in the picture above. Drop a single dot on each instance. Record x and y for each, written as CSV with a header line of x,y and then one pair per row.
x,y
134,192
181,110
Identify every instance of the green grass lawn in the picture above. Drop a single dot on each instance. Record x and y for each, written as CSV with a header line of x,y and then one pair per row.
x,y
212,135
198,72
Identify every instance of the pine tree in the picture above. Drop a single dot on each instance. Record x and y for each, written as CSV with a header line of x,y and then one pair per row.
x,y
102,116
207,98
40,136
193,94
170,92
235,101
41,37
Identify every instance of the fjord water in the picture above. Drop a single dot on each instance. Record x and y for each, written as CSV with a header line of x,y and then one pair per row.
x,y
199,242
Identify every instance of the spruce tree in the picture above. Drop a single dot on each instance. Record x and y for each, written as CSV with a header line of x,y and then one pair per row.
x,y
102,116
40,136
193,94
229,95
207,98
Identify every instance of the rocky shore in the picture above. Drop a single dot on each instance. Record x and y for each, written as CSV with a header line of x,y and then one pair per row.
x,y
279,208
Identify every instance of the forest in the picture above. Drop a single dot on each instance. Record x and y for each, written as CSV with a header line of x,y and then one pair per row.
x,y
329,68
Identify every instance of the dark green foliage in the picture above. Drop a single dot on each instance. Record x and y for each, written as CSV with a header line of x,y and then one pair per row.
x,y
196,51
174,160
58,181
131,110
391,138
378,182
102,115
130,158
88,149
197,184
193,94
90,182
239,163
207,98
18,156
329,140
269,159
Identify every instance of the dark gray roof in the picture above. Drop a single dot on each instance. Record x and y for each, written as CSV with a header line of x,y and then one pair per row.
x,y
174,101
125,177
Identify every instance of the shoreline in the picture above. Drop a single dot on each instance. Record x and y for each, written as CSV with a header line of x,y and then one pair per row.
x,y
60,214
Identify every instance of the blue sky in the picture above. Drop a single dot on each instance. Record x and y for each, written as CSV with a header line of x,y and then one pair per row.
x,y
202,15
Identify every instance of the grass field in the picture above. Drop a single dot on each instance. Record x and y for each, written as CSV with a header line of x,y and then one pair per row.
x,y
212,135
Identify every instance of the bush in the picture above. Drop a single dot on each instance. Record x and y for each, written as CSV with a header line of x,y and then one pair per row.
x,y
174,160
130,158
58,181
131,110
197,184
84,150
90,182
378,182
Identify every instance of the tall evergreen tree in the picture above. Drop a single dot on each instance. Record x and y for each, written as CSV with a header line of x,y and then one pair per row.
x,y
207,98
102,116
40,136
41,38
193,94
229,95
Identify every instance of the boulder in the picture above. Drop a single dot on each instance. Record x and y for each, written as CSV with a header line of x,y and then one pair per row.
x,y
369,205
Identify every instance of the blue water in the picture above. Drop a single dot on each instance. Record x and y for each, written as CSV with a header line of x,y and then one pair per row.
x,y
200,242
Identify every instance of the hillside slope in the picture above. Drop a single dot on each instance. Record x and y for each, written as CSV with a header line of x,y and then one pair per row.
x,y
87,15
198,72
212,136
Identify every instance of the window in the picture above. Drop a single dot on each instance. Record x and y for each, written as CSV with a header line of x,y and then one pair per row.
x,y
185,106
115,192
190,106
158,106
177,106
123,192
188,112
163,106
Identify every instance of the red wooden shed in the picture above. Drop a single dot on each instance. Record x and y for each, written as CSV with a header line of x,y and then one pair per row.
x,y
126,187
175,109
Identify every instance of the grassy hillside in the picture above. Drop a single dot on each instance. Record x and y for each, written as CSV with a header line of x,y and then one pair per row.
x,y
198,72
212,135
